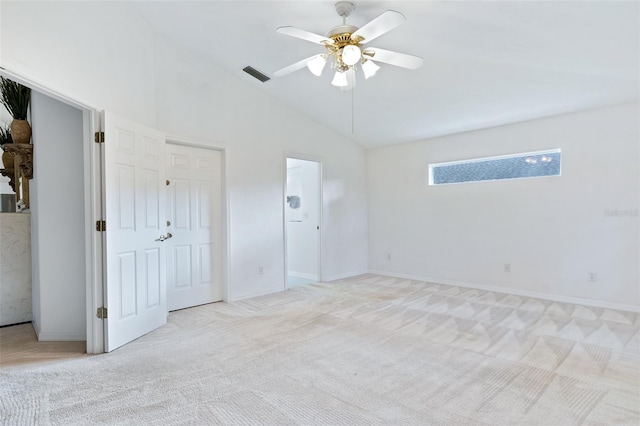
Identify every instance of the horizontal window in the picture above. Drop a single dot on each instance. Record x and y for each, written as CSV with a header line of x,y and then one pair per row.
x,y
515,166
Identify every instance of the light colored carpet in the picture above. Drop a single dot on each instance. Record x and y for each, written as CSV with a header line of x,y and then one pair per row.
x,y
367,350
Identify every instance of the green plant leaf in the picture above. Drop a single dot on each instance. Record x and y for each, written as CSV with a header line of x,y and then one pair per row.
x,y
15,98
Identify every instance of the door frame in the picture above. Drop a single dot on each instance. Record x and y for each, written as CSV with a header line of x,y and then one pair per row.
x,y
225,211
305,157
94,241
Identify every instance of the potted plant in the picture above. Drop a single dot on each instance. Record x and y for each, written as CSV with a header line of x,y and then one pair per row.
x,y
15,98
7,159
5,138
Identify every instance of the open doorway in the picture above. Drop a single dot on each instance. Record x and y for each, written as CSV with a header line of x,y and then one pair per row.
x,y
303,216
52,236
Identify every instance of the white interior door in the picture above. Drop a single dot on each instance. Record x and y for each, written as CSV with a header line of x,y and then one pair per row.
x,y
134,206
194,261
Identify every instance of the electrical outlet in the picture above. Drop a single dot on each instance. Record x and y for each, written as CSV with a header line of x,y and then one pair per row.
x,y
260,270
593,277
507,267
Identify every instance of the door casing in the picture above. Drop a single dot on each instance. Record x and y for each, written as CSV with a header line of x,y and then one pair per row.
x,y
318,160
223,210
92,207
94,241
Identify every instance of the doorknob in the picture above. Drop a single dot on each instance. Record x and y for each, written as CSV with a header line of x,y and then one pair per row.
x,y
163,237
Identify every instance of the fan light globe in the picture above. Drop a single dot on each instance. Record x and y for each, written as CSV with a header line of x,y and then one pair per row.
x,y
369,69
351,55
339,79
316,65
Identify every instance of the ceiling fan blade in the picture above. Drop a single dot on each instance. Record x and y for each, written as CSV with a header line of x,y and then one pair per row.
x,y
380,25
294,67
393,58
304,35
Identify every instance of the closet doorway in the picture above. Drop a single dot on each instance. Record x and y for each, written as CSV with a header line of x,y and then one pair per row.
x,y
303,217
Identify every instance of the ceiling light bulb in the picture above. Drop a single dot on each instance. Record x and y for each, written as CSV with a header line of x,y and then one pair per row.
x,y
316,65
351,54
531,160
369,69
340,79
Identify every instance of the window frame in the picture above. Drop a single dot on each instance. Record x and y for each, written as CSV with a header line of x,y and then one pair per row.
x,y
432,166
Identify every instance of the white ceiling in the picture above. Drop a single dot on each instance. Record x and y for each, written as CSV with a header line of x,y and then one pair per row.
x,y
486,63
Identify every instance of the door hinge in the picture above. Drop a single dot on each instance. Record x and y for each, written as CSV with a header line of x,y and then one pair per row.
x,y
101,225
102,313
99,137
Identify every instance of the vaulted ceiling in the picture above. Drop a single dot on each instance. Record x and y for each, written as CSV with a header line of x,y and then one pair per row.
x,y
486,63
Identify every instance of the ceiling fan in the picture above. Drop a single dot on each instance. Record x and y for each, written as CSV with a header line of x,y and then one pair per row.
x,y
345,50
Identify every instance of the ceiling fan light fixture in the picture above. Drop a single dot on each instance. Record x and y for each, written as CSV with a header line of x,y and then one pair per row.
x,y
351,54
350,76
316,65
346,48
340,79
369,68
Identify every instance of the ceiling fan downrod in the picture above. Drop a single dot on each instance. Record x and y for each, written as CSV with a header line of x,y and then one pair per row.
x,y
344,9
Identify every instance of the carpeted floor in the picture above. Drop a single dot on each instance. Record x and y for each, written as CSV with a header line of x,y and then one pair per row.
x,y
366,350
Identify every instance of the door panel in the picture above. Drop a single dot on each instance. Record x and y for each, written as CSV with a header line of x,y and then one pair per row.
x,y
182,259
134,212
194,264
182,204
206,253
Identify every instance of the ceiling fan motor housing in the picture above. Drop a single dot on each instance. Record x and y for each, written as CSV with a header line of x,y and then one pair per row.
x,y
341,36
342,33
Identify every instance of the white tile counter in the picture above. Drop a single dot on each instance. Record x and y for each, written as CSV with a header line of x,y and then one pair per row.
x,y
15,268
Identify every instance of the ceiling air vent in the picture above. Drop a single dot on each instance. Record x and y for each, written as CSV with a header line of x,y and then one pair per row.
x,y
255,73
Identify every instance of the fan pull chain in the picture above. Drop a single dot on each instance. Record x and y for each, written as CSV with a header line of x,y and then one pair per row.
x,y
352,126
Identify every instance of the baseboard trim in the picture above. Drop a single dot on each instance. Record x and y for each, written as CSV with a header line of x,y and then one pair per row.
x,y
36,327
250,296
44,336
343,276
60,337
525,293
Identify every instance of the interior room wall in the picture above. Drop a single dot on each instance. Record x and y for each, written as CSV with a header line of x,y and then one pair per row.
x,y
97,53
128,71
208,104
553,231
301,222
57,220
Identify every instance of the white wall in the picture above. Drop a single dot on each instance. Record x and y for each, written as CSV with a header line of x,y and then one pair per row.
x,y
97,53
206,103
553,231
57,220
302,234
77,49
